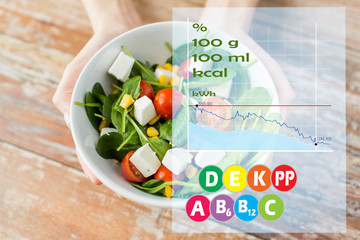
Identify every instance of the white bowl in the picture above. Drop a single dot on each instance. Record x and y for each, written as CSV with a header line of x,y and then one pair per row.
x,y
145,43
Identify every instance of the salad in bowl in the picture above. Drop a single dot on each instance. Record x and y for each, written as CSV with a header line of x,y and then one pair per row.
x,y
130,116
134,123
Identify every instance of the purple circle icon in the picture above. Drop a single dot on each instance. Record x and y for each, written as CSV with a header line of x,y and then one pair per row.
x,y
222,207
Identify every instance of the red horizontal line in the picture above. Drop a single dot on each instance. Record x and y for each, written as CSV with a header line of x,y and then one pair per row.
x,y
308,105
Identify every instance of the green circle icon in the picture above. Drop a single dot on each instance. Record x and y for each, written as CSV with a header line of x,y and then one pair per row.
x,y
210,178
271,207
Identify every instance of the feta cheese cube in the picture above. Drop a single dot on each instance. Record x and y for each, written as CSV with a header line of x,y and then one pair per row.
x,y
144,110
205,158
168,74
177,159
203,66
122,66
107,130
222,90
145,160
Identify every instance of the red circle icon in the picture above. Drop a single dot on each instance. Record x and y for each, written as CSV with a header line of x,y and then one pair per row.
x,y
283,178
198,208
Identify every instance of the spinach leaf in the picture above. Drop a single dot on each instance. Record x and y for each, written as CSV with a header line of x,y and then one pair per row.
x,y
108,143
169,60
160,146
116,119
175,130
107,107
146,72
135,71
91,111
99,92
131,87
165,130
152,183
130,137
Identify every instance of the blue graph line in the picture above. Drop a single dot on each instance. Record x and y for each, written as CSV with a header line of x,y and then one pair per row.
x,y
237,114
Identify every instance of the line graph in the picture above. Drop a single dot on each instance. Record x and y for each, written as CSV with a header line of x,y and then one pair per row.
x,y
281,124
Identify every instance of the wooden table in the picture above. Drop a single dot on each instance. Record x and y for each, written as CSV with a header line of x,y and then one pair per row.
x,y
43,191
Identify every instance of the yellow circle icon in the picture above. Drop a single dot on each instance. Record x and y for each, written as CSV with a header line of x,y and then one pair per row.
x,y
234,178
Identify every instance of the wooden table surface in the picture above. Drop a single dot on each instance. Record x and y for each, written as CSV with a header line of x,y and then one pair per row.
x,y
43,191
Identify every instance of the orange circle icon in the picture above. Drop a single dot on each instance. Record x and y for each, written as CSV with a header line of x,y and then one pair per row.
x,y
258,178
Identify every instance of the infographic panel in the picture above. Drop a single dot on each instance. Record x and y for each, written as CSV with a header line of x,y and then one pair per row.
x,y
263,116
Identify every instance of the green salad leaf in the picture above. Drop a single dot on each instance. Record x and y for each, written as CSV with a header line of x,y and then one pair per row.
x,y
146,72
99,92
175,130
108,143
165,130
159,146
116,119
91,111
108,105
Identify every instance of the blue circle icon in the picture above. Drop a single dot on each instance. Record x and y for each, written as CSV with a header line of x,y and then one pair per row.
x,y
245,207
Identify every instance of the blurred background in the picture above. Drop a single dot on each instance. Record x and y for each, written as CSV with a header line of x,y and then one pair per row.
x,y
43,191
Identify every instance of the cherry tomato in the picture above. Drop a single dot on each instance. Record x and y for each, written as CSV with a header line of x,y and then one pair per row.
x,y
164,174
208,119
146,90
166,101
129,171
183,70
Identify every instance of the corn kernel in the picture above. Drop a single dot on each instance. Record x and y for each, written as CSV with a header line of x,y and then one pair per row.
x,y
171,82
115,91
168,191
190,171
156,137
103,124
168,66
175,69
116,161
152,132
126,101
154,120
162,79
